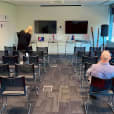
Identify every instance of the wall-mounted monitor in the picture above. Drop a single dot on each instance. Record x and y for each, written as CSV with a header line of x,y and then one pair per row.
x,y
45,27
76,27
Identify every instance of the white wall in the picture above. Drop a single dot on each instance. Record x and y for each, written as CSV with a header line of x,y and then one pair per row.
x,y
19,17
96,15
8,32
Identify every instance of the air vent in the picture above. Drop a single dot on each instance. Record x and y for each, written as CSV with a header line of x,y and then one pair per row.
x,y
58,5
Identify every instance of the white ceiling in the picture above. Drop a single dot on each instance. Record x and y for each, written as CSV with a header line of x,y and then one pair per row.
x,y
60,2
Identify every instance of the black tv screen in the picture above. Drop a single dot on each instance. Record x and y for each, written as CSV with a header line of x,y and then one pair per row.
x,y
48,27
76,27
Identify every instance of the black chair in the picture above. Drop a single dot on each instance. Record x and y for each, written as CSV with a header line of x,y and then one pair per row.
x,y
78,53
13,87
100,87
13,53
95,51
35,60
4,70
112,60
31,60
111,49
25,69
29,73
11,60
8,51
88,59
44,49
13,48
33,53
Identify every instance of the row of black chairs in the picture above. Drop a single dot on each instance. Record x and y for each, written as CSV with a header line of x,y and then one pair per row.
x,y
24,79
12,51
24,75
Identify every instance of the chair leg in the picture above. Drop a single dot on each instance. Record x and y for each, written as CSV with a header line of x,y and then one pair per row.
x,y
44,64
4,105
37,91
110,103
86,107
29,108
39,70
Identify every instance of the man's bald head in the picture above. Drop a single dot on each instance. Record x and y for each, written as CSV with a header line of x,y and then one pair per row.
x,y
105,56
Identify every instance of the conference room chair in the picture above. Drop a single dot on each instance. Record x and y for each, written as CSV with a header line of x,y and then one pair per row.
x,y
13,48
111,49
13,53
42,60
112,60
78,53
87,59
33,53
32,60
99,87
35,60
4,70
95,51
11,60
29,73
13,87
45,53
9,50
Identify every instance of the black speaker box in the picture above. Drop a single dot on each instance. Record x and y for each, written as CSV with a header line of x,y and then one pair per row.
x,y
104,30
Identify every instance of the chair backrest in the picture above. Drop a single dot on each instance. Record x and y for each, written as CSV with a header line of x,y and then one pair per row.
x,y
86,66
79,49
12,53
9,50
95,51
111,49
33,53
12,84
112,60
4,70
15,53
92,49
25,69
89,59
11,60
113,84
33,60
98,84
44,49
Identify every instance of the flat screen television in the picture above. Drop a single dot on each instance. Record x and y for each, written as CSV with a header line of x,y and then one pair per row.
x,y
76,27
48,27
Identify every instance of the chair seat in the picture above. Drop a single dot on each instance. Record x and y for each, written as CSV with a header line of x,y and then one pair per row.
x,y
105,93
27,76
13,93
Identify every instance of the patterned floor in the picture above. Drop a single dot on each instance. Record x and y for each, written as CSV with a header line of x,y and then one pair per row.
x,y
59,93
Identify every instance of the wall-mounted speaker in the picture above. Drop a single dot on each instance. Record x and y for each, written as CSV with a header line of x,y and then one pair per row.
x,y
104,30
